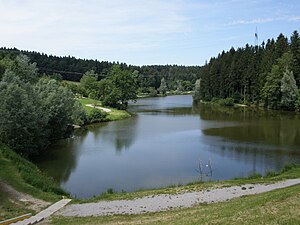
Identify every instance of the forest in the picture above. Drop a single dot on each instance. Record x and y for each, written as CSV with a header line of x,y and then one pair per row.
x,y
72,69
38,96
39,106
267,75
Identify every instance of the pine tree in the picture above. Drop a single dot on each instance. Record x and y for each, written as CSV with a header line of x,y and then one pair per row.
x,y
295,49
289,90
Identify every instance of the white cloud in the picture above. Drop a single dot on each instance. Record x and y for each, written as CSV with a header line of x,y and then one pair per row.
x,y
138,31
107,25
264,20
294,18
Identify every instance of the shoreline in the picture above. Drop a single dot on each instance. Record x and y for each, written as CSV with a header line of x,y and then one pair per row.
x,y
170,199
288,172
164,202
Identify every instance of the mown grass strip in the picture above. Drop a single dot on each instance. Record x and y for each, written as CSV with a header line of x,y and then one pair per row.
x,y
115,114
275,207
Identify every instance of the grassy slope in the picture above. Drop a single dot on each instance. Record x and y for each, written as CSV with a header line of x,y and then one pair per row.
x,y
114,115
276,207
24,177
9,209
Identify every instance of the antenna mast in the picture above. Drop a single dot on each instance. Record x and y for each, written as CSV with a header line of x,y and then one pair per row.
x,y
256,39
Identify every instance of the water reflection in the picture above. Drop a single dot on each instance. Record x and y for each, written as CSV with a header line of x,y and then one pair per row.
x,y
122,137
267,139
254,126
61,161
163,143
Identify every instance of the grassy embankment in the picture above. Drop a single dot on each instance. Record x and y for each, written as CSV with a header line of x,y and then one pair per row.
x,y
275,207
25,177
115,114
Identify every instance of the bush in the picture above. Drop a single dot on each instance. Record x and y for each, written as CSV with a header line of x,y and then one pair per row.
x,y
79,115
226,102
215,100
289,167
152,92
255,176
96,116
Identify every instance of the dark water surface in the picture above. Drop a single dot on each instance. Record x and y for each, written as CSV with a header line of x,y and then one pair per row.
x,y
163,143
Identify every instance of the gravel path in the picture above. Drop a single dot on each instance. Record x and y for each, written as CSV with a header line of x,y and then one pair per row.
x,y
165,202
98,107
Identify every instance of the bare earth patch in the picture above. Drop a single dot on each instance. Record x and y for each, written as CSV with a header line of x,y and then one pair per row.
x,y
16,197
165,202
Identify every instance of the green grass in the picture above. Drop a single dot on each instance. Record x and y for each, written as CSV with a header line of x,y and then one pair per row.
x,y
9,209
112,116
25,177
275,207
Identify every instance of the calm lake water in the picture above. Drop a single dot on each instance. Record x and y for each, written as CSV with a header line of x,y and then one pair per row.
x,y
163,143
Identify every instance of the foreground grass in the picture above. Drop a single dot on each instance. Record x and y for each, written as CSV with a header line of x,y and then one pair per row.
x,y
10,209
275,207
115,114
25,177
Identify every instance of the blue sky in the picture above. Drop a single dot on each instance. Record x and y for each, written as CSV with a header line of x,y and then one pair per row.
x,y
143,32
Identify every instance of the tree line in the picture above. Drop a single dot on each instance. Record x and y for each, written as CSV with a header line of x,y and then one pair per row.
x,y
38,107
267,75
149,78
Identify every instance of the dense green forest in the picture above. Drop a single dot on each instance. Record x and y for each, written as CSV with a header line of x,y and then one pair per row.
x,y
72,69
38,105
268,75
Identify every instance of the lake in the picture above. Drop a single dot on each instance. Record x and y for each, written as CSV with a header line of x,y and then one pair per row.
x,y
164,142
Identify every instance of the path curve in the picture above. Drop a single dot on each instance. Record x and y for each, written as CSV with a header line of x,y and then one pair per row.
x,y
165,202
98,107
